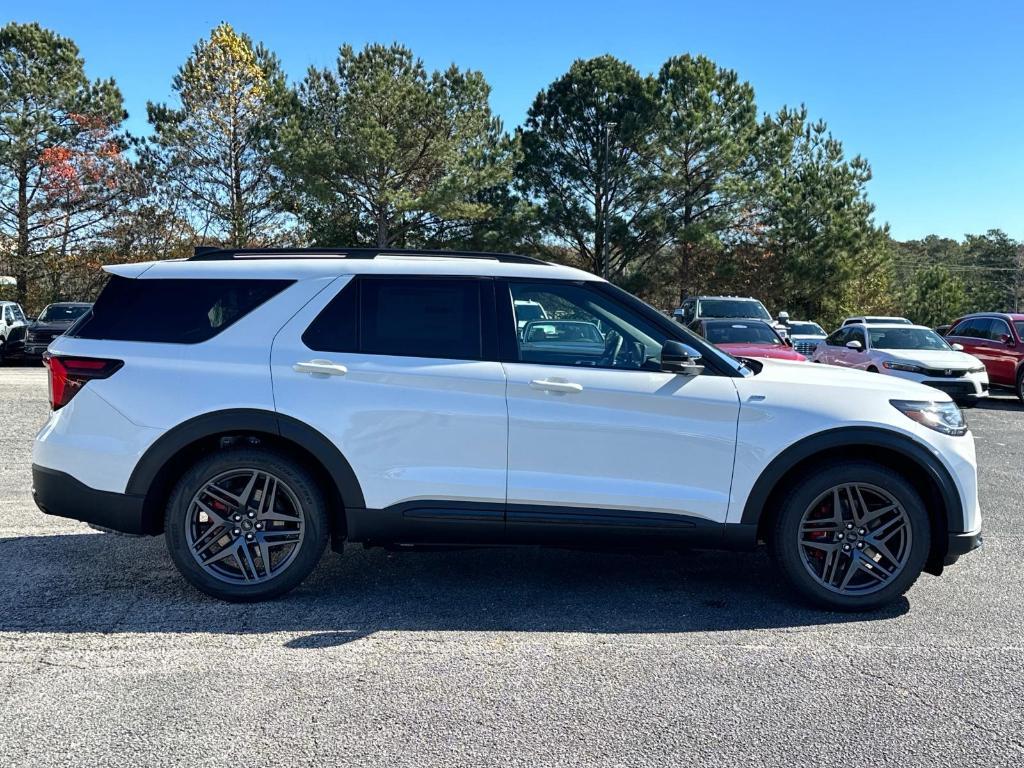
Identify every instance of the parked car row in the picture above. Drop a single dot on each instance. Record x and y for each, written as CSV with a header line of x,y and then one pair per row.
x,y
963,358
27,338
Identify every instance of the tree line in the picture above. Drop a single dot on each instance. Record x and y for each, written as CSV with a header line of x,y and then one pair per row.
x,y
668,183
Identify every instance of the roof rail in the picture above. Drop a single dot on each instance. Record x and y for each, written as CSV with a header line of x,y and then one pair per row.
x,y
208,253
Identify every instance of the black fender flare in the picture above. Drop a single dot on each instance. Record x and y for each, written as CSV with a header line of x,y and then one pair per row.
x,y
842,437
247,420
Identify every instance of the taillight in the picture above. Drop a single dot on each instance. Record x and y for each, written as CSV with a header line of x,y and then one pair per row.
x,y
69,374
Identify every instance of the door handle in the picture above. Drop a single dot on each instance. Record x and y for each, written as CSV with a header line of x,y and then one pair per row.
x,y
319,368
548,385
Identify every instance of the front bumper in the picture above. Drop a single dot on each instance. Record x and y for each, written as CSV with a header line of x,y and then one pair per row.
x,y
58,493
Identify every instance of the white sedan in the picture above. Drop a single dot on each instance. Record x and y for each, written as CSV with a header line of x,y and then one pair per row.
x,y
908,351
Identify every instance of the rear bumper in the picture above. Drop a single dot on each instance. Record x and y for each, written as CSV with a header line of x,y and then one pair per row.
x,y
58,493
960,544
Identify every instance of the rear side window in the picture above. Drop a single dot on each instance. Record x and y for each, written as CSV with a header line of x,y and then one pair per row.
x,y
172,311
974,327
426,317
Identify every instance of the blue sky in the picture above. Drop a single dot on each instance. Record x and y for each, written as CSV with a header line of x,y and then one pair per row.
x,y
931,93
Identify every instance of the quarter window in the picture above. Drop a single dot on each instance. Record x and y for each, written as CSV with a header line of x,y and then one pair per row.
x,y
179,311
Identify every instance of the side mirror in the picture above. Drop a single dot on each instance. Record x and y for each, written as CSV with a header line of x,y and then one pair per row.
x,y
957,347
676,357
854,345
1007,339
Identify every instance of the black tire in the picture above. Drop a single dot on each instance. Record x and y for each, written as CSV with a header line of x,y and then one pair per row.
x,y
300,491
872,369
789,554
1019,389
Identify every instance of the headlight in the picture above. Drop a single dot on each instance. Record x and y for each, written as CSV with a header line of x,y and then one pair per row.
x,y
902,367
978,369
946,418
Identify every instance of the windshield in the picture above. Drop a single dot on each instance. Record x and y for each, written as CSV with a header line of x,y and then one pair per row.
x,y
906,338
57,312
564,331
1019,325
733,308
741,333
525,311
806,329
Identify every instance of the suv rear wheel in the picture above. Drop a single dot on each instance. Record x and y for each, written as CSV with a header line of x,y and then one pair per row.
x,y
246,524
852,536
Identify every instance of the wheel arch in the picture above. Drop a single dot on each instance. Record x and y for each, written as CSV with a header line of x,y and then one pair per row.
x,y
162,464
925,472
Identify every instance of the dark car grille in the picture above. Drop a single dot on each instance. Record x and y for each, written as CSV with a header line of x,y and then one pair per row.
x,y
945,373
806,347
953,387
41,337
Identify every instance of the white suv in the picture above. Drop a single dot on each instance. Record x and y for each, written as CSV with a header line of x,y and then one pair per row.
x,y
253,406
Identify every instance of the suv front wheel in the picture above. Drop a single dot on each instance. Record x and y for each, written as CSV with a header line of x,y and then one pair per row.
x,y
852,536
245,525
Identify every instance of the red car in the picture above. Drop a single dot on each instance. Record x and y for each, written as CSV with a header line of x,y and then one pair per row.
x,y
746,338
997,339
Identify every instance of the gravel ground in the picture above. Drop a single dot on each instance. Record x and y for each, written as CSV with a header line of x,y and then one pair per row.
x,y
518,657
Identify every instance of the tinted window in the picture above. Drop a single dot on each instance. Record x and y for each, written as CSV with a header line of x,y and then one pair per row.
x,y
855,334
1019,324
972,327
420,318
806,329
8,315
423,317
605,335
172,311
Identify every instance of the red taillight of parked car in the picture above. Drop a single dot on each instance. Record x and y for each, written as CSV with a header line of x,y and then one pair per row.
x,y
69,374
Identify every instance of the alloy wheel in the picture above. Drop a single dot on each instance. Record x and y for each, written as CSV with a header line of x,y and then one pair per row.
x,y
855,538
244,526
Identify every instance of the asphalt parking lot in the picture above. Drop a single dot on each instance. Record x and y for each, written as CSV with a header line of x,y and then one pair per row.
x,y
528,658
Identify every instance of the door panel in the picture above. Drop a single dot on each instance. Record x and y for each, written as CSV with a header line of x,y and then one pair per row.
x,y
628,440
413,428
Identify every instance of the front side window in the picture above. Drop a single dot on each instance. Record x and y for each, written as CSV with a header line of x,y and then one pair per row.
x,y
583,327
407,317
8,315
856,334
998,329
838,338
1019,325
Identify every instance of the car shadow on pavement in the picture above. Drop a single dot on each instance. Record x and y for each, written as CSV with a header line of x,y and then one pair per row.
x,y
109,584
999,403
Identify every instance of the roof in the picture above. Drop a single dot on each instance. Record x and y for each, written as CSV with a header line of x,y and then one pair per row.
x,y
305,264
1004,315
